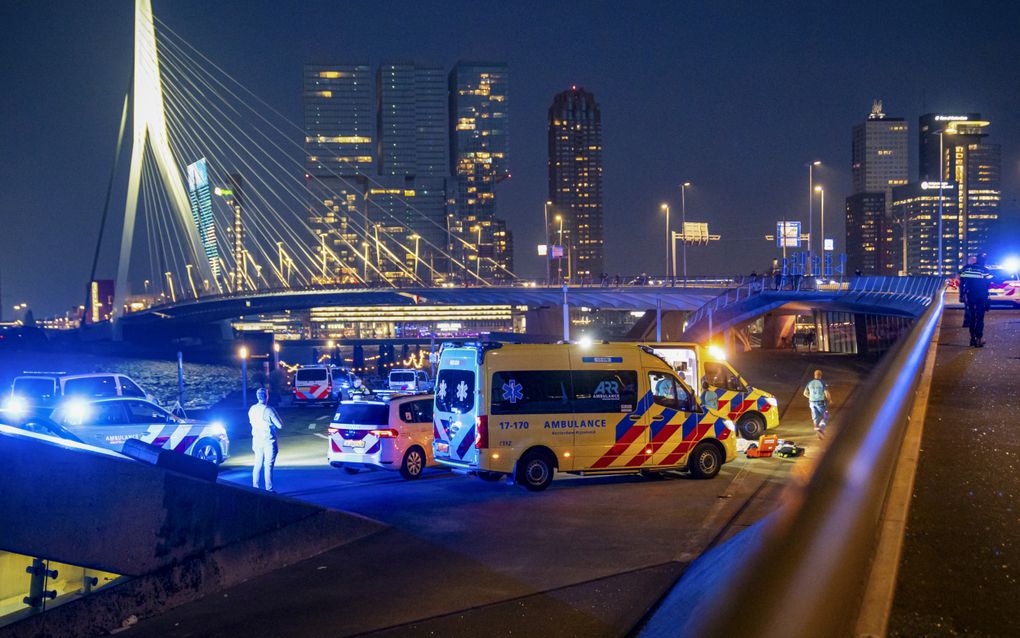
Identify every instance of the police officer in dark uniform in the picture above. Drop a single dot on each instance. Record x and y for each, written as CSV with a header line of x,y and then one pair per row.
x,y
974,282
963,295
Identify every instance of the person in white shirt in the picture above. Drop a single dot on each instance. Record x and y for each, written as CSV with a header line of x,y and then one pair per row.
x,y
264,424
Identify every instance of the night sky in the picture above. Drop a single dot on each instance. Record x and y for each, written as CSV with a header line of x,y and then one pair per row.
x,y
733,97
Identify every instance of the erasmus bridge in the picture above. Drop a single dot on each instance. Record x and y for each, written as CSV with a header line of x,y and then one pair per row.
x,y
216,225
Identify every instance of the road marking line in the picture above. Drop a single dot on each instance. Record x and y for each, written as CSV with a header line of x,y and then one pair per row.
x,y
311,426
320,418
320,435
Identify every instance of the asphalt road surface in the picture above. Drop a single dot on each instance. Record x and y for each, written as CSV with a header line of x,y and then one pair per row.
x,y
589,556
960,570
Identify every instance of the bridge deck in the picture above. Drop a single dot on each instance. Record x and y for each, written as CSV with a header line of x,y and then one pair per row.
x,y
961,558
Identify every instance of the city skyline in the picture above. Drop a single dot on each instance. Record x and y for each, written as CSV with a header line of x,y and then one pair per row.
x,y
709,122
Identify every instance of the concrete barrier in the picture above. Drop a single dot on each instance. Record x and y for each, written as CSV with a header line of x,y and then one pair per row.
x,y
180,538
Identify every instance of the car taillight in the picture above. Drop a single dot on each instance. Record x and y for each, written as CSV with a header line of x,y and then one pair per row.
x,y
384,434
481,432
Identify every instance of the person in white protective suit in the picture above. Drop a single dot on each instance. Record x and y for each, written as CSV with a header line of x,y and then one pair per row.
x,y
264,424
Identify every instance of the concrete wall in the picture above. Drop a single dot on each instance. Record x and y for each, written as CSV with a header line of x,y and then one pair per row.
x,y
179,537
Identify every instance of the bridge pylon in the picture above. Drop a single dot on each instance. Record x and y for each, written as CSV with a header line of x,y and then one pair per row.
x,y
149,124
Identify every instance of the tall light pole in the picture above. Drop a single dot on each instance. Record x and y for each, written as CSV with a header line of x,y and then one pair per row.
x,y
683,228
669,240
559,261
821,195
545,233
811,206
243,353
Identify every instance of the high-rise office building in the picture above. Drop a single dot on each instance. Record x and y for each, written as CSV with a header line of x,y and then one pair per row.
x,y
412,120
479,121
918,205
880,156
340,153
866,228
200,198
879,164
952,148
575,180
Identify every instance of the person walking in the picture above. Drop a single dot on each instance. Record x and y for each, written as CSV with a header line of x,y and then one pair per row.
x,y
708,396
264,422
963,294
975,280
817,393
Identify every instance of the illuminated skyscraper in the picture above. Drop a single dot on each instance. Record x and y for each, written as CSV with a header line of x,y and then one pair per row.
x,y
200,199
918,205
973,165
479,122
879,164
575,180
880,157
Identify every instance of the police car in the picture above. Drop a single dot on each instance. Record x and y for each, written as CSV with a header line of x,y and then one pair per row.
x,y
391,434
108,423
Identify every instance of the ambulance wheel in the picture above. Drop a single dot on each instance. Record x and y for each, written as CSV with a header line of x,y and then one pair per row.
x,y
351,470
413,464
535,471
491,477
208,450
751,426
705,461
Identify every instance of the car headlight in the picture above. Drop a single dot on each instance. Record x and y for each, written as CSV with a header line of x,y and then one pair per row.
x,y
16,406
730,426
218,430
772,401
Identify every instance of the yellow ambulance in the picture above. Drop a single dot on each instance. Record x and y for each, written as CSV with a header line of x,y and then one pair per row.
x,y
753,410
529,410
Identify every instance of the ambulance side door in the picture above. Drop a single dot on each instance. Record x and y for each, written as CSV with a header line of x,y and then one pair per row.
x,y
608,422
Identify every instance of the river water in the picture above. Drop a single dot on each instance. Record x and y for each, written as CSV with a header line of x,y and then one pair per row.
x,y
204,384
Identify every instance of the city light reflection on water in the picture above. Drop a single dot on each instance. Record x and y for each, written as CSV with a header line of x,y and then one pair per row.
x,y
204,384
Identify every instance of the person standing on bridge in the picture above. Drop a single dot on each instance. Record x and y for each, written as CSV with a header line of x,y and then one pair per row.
x,y
963,293
264,422
975,280
817,393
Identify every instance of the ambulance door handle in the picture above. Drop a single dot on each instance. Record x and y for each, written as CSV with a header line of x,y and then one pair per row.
x,y
658,417
635,416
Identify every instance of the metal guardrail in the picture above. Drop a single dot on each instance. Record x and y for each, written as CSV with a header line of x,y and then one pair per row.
x,y
807,573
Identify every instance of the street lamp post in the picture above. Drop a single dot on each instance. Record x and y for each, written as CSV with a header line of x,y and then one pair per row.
x,y
811,207
559,260
276,355
243,352
545,233
669,241
683,228
821,195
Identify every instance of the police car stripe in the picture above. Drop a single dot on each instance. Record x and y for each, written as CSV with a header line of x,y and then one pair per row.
x,y
185,443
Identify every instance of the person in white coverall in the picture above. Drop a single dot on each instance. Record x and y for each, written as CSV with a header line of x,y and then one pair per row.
x,y
264,423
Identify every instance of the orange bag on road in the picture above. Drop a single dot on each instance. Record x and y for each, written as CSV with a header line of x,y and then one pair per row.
x,y
766,446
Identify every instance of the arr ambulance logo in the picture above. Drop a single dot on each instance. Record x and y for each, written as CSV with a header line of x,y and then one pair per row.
x,y
513,391
607,390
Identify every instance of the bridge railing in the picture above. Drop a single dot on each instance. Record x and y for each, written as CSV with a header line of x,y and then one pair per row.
x,y
632,282
807,572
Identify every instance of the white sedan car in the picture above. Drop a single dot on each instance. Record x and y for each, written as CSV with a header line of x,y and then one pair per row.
x,y
391,434
109,423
